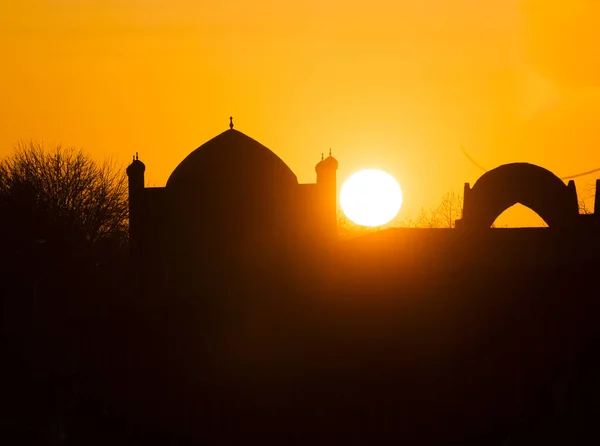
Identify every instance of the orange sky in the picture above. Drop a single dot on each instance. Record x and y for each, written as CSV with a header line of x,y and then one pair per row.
x,y
398,85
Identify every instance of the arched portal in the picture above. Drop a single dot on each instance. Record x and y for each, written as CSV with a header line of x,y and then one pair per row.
x,y
519,216
527,184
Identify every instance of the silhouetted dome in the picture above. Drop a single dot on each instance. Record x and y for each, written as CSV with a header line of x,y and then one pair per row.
x,y
328,163
233,158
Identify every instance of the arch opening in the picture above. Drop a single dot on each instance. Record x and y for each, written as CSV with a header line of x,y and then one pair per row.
x,y
519,216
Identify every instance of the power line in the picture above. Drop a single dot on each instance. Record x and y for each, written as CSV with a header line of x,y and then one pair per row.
x,y
581,174
569,177
475,163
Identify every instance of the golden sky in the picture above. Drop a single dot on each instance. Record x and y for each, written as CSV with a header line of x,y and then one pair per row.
x,y
393,84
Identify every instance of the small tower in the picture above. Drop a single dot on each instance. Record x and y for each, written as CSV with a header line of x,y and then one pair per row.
x,y
327,186
135,172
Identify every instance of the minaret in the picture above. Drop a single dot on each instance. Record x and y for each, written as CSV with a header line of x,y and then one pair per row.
x,y
135,172
327,189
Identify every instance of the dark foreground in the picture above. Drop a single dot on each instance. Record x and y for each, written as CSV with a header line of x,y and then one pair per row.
x,y
382,340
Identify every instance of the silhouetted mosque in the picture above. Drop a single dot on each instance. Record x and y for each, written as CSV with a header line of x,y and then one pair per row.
x,y
231,201
393,330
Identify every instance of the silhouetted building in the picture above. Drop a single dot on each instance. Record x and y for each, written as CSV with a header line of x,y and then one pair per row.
x,y
461,329
532,186
232,203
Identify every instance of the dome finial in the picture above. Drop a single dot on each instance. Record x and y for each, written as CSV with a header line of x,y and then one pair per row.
x,y
136,156
231,122
322,156
329,152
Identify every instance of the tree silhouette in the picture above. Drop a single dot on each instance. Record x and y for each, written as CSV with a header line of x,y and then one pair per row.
x,y
443,216
63,198
63,224
587,195
583,207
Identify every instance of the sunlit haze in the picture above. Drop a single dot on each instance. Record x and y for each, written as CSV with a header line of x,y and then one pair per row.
x,y
401,85
241,221
371,198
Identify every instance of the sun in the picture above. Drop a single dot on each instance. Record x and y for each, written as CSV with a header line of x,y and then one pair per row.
x,y
371,197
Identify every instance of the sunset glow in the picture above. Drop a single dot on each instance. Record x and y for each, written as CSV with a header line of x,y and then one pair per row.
x,y
371,198
510,80
241,222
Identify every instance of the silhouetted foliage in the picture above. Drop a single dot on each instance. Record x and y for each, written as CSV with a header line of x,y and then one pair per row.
x,y
63,230
63,198
585,196
443,216
450,209
583,208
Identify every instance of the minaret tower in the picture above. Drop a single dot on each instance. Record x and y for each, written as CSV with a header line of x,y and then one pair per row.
x,y
135,172
327,187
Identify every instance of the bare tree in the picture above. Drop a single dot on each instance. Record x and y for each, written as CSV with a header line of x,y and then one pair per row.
x,y
583,208
450,209
428,218
62,196
444,215
588,195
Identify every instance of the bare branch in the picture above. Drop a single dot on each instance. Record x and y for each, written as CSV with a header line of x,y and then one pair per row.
x,y
62,195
